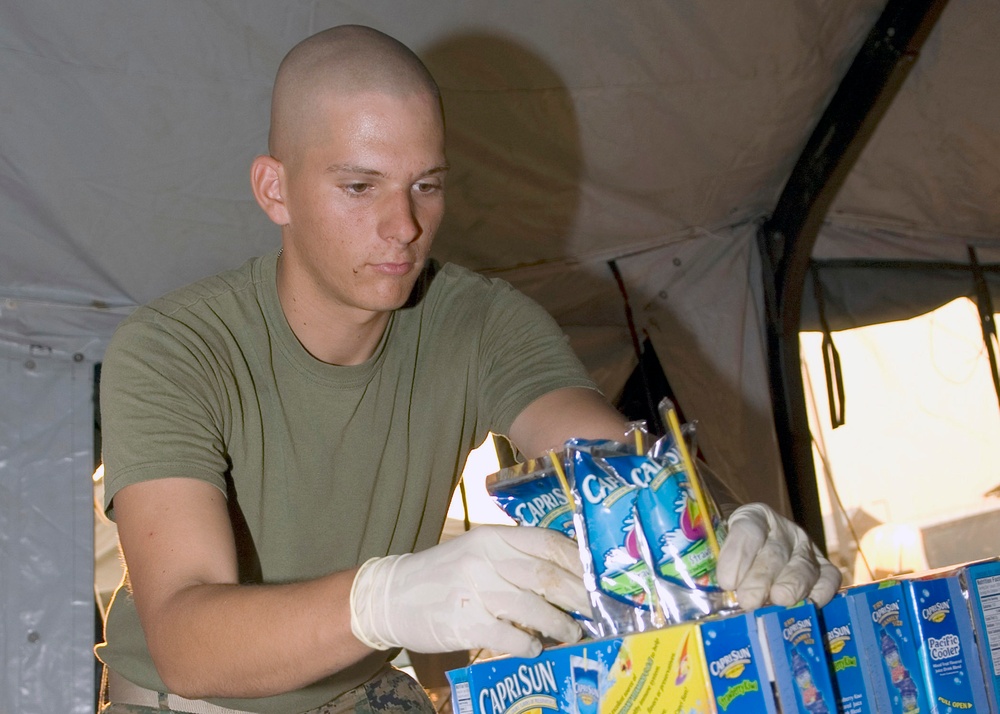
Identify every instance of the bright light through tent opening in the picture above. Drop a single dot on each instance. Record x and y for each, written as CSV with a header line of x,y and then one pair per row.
x,y
482,461
918,450
108,568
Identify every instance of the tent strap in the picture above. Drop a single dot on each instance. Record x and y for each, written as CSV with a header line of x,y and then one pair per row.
x,y
651,400
831,357
786,239
986,320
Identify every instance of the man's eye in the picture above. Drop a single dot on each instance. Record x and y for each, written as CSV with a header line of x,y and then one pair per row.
x,y
426,187
357,187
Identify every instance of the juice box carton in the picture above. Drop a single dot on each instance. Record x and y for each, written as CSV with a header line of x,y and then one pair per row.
x,y
656,671
982,582
949,660
737,672
885,633
852,680
801,670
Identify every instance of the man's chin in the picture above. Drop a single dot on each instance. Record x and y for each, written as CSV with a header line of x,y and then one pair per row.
x,y
388,302
399,293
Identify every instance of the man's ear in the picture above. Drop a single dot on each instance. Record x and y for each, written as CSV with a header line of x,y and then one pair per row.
x,y
266,180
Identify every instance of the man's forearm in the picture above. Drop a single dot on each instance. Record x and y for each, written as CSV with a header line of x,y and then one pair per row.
x,y
253,640
563,414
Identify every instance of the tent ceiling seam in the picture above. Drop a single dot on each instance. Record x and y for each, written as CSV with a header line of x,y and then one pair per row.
x,y
609,255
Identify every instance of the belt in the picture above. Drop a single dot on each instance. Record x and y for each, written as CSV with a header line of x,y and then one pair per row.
x,y
122,691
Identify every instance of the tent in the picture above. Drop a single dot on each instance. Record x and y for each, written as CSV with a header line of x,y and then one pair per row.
x,y
681,184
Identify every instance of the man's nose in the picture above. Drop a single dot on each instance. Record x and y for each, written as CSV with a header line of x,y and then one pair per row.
x,y
399,219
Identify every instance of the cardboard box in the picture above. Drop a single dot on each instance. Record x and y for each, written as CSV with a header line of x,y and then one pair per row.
x,y
657,671
795,649
852,679
982,581
888,648
737,671
946,645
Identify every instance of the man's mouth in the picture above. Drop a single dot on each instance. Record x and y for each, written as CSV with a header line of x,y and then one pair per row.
x,y
392,268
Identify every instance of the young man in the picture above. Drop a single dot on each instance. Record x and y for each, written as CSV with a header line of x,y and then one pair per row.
x,y
281,440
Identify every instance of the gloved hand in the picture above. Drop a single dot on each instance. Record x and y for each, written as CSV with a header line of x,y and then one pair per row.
x,y
768,557
476,590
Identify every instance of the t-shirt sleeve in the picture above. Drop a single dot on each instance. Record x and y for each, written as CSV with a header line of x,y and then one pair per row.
x,y
524,355
161,414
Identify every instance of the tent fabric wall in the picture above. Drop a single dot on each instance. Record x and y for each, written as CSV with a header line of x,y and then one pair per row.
x,y
932,166
575,130
926,186
711,343
46,533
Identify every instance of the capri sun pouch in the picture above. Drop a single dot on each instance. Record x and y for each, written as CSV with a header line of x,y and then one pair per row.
x,y
619,581
672,534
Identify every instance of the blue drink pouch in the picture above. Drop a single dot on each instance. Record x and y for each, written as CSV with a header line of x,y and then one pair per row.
x,y
672,533
618,579
530,493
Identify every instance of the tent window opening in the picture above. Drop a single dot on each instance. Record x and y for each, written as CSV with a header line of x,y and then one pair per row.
x,y
910,481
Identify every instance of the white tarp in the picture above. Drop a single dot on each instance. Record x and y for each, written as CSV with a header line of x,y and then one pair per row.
x,y
643,132
46,534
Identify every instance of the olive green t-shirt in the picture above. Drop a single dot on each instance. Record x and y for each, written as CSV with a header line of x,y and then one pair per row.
x,y
324,466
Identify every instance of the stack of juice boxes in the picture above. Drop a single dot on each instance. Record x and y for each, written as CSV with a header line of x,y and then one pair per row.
x,y
663,637
926,643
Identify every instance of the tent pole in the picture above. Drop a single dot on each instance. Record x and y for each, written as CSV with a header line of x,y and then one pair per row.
x,y
984,303
786,239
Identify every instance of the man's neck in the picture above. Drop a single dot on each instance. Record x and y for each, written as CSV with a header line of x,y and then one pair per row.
x,y
335,334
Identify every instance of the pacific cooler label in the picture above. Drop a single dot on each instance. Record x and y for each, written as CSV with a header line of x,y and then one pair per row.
x,y
948,656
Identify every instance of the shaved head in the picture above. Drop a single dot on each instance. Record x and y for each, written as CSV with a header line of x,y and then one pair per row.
x,y
341,61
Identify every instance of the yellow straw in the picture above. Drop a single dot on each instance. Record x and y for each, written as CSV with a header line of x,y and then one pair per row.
x,y
699,494
561,475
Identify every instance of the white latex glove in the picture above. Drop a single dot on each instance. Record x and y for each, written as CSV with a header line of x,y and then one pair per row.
x,y
471,592
768,557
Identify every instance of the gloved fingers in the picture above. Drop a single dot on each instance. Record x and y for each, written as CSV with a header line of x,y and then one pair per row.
x,y
558,586
504,637
828,582
477,629
544,544
534,613
542,561
748,531
753,589
796,579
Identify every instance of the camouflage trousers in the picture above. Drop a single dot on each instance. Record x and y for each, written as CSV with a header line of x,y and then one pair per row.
x,y
389,691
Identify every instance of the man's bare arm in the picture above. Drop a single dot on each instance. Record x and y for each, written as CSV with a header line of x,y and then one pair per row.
x,y
209,636
564,414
